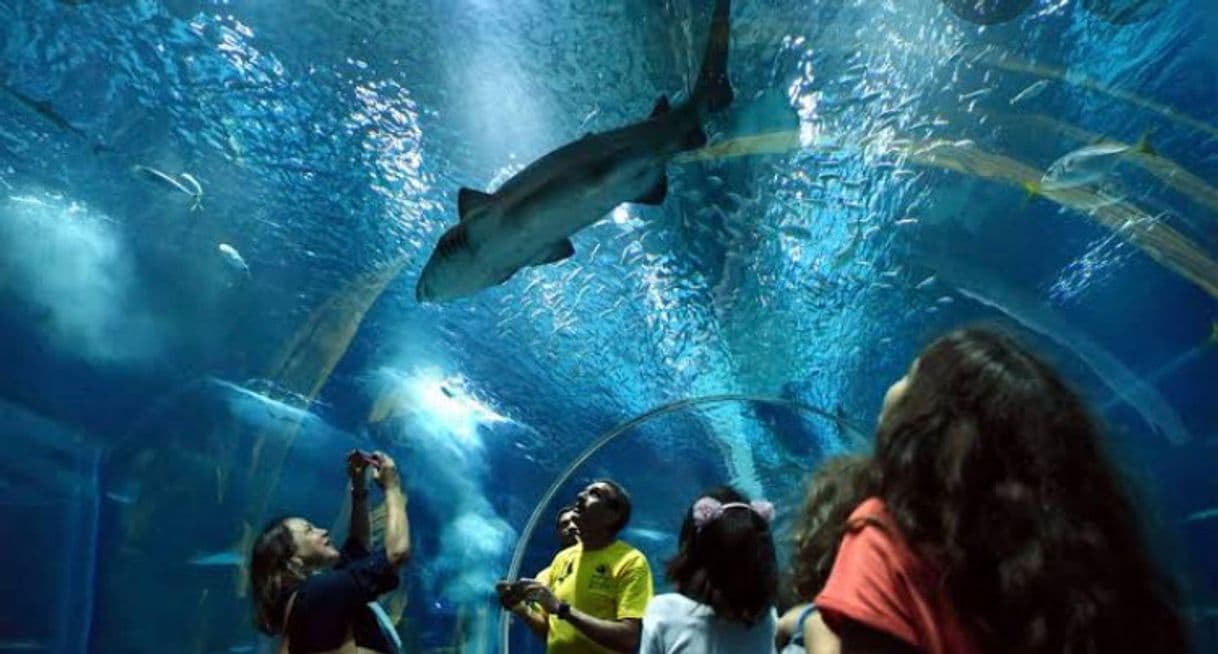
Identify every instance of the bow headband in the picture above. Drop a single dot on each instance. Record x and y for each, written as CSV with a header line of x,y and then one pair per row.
x,y
708,509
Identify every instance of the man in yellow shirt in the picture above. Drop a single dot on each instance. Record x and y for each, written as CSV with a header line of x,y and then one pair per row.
x,y
596,591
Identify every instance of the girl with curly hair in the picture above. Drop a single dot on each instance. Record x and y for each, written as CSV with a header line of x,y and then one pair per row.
x,y
995,523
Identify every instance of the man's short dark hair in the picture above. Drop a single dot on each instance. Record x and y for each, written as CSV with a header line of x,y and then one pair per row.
x,y
561,512
621,502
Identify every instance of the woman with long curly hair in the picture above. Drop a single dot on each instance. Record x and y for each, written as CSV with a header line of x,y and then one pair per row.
x,y
834,489
995,522
316,598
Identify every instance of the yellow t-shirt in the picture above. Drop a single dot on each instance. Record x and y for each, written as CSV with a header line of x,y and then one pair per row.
x,y
613,583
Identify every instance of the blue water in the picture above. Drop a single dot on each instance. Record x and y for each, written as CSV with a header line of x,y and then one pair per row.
x,y
157,397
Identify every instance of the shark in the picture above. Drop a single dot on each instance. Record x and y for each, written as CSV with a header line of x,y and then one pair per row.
x,y
529,220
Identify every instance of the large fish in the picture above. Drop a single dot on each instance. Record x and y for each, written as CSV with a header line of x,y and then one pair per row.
x,y
1089,165
527,222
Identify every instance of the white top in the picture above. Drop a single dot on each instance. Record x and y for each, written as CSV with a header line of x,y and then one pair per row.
x,y
675,624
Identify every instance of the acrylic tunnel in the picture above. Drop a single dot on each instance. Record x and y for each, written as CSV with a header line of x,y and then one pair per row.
x,y
520,246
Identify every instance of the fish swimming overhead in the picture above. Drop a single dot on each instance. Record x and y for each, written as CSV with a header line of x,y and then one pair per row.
x,y
1031,92
191,186
529,220
232,258
1089,165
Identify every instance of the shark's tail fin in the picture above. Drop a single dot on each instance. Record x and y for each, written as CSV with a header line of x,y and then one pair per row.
x,y
713,91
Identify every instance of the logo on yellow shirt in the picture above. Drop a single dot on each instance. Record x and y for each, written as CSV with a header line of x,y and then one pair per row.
x,y
600,581
565,573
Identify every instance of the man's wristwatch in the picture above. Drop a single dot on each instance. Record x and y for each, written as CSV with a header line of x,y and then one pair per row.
x,y
563,612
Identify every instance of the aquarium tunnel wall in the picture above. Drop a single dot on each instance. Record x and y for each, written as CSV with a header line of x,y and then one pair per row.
x,y
215,215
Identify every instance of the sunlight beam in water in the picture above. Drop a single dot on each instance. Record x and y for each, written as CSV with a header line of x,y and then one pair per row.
x,y
1004,60
439,421
1160,242
438,401
1165,170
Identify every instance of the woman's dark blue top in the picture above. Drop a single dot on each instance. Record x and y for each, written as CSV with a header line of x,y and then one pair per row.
x,y
328,602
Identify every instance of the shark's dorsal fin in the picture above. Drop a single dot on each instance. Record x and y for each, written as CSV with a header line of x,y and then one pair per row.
x,y
657,193
561,250
469,200
661,107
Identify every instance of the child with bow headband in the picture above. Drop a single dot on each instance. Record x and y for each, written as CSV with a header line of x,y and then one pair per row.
x,y
726,579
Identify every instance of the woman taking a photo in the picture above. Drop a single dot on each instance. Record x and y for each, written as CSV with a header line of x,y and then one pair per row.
x,y
315,597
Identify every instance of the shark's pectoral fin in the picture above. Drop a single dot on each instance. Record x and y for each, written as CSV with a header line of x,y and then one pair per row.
x,y
657,193
561,250
661,107
452,240
469,201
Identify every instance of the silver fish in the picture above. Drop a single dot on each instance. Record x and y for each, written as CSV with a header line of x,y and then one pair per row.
x,y
191,186
1030,92
1087,165
233,258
